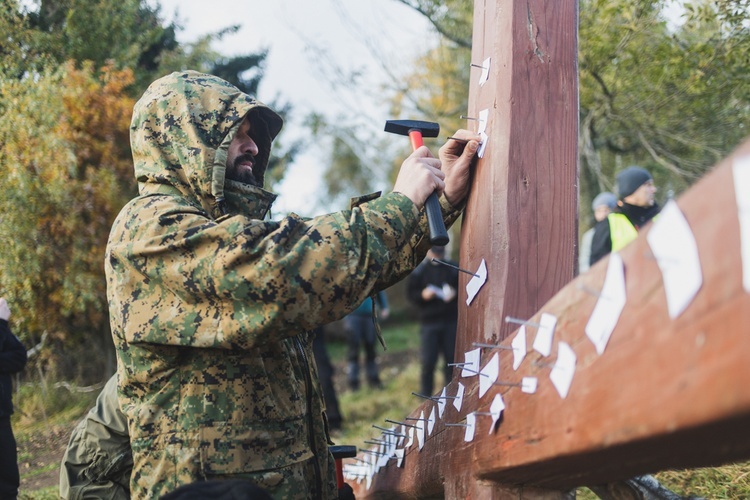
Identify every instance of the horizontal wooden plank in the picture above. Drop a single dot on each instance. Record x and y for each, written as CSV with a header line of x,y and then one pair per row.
x,y
665,393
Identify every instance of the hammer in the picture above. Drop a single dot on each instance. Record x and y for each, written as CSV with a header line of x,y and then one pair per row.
x,y
416,129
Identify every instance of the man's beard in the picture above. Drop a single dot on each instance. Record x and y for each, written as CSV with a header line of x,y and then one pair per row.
x,y
254,178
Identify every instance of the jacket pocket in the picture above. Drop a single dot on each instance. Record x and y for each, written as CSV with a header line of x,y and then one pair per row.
x,y
234,449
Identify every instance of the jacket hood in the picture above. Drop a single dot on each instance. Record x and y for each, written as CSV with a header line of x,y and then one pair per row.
x,y
180,133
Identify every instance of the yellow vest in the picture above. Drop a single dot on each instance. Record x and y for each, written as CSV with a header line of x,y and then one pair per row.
x,y
621,231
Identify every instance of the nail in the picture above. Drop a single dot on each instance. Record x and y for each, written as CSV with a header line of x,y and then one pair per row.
x,y
512,384
454,267
372,452
492,346
476,372
389,431
400,423
451,138
423,396
518,321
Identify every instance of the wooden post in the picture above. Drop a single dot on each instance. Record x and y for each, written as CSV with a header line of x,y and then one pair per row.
x,y
522,215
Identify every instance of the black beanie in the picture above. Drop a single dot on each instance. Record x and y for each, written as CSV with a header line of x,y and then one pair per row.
x,y
631,179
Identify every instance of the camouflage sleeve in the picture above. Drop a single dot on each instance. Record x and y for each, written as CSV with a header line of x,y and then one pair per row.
x,y
416,248
273,278
97,462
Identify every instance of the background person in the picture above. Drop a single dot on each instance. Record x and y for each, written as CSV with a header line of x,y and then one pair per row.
x,y
325,374
635,207
12,360
360,331
432,287
602,206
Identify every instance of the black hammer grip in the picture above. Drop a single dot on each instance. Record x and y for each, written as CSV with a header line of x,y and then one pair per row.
x,y
438,233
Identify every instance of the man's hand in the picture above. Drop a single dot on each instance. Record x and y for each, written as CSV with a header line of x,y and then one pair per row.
x,y
428,293
4,309
419,176
456,157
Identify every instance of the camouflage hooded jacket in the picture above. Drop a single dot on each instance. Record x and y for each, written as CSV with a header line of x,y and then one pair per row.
x,y
210,304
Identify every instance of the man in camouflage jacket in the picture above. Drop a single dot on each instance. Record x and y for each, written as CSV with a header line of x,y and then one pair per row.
x,y
210,305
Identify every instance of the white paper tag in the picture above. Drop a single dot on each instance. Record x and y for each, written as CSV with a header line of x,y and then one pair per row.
x,y
484,139
471,363
485,72
431,422
519,347
442,403
459,397
488,375
609,306
674,247
420,430
528,385
564,369
471,424
496,408
544,334
476,282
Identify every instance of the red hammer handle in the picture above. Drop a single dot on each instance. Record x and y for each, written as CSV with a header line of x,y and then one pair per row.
x,y
438,233
416,139
339,473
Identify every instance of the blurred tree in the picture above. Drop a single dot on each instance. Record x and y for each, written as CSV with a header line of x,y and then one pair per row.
x,y
127,33
672,97
70,72
65,173
452,19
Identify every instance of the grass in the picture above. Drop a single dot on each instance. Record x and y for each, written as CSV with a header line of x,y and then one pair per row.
x,y
399,337
49,493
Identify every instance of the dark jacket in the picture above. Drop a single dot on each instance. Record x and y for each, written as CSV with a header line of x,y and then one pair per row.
x,y
12,360
601,243
435,310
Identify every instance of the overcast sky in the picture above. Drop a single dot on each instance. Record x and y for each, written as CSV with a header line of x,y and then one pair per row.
x,y
301,36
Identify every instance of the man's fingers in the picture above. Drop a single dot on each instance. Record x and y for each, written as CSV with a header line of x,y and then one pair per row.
x,y
421,152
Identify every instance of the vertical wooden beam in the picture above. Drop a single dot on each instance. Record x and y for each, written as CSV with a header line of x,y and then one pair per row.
x,y
522,215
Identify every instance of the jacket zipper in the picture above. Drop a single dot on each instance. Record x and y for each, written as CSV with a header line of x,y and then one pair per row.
x,y
310,420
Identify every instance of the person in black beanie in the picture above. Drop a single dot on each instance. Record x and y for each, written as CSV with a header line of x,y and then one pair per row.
x,y
12,360
635,207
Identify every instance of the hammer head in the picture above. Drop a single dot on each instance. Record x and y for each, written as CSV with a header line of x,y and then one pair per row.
x,y
403,127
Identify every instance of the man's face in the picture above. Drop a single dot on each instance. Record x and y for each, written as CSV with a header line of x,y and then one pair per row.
x,y
241,157
643,196
601,212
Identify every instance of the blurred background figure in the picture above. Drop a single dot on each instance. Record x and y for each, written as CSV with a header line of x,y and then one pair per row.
x,y
602,206
636,206
12,360
360,330
325,374
432,287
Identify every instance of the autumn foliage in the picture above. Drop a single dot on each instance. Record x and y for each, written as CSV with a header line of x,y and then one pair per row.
x,y
66,171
